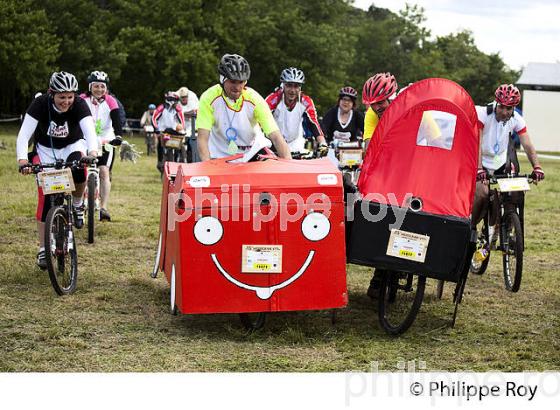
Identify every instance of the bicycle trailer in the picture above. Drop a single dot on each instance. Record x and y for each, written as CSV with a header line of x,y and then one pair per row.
x,y
417,185
417,188
262,236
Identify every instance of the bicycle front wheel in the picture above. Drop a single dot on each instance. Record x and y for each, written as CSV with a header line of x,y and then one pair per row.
x,y
400,298
512,251
60,249
478,267
91,188
252,321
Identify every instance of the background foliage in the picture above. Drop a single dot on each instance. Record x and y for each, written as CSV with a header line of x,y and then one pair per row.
x,y
148,47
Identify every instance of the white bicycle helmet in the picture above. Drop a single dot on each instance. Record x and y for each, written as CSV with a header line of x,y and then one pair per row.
x,y
292,75
63,82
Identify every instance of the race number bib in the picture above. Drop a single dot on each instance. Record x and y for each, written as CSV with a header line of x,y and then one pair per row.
x,y
261,259
408,245
56,181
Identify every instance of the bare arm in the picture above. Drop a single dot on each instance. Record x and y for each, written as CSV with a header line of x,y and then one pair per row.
x,y
280,143
529,148
202,144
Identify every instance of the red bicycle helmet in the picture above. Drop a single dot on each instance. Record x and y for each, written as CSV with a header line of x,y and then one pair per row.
x,y
378,88
508,95
348,92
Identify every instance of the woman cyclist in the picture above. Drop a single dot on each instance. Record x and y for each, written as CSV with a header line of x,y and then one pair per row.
x,y
105,111
63,127
343,122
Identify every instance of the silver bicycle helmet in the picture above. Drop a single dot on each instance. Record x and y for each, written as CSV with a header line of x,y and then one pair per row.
x,y
63,82
234,67
292,75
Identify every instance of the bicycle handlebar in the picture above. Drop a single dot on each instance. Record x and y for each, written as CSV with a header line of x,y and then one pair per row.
x,y
494,178
76,164
304,155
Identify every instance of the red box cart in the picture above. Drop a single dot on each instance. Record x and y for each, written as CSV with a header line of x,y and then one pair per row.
x,y
263,236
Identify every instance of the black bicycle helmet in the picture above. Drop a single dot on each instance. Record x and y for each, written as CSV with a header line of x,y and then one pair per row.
x,y
234,67
98,77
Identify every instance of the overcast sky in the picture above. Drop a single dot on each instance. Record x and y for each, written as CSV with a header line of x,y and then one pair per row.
x,y
522,31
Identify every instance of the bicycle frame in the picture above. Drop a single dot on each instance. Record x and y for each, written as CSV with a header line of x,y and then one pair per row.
x,y
506,204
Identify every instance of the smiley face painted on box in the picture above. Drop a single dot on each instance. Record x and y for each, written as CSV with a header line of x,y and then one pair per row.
x,y
266,265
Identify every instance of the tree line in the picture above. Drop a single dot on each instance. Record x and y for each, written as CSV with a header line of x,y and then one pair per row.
x,y
150,46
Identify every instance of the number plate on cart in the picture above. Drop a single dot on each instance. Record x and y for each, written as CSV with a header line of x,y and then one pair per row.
x,y
56,181
261,259
350,157
513,184
408,245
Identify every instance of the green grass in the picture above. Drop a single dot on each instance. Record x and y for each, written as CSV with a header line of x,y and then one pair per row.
x,y
119,320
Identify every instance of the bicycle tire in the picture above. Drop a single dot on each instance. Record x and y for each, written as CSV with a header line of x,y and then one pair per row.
x,y
390,283
91,188
62,259
476,267
512,245
169,155
149,145
253,321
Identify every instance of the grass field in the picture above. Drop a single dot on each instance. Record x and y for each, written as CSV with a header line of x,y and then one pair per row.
x,y
119,319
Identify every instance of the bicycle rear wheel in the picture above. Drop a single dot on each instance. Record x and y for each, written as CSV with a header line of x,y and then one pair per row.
x,y
91,188
60,249
397,310
512,251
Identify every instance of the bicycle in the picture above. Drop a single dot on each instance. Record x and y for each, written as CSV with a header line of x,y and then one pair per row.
x,y
508,190
92,200
60,243
191,149
174,149
150,139
349,155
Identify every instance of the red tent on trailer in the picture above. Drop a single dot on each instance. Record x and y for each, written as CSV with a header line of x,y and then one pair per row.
x,y
422,161
426,144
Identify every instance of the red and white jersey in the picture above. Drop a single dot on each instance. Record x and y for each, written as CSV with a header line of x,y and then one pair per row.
x,y
168,117
496,135
290,119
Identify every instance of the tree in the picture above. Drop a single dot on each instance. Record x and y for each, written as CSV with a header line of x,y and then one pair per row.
x,y
28,53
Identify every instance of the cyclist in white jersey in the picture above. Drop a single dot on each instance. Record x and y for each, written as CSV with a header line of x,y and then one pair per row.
x,y
291,107
105,112
232,117
498,121
188,101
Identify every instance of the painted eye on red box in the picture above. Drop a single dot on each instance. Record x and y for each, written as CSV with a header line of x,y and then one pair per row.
x,y
208,230
315,226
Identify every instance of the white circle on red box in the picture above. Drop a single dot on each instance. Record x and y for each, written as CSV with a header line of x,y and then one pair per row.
x,y
208,230
315,226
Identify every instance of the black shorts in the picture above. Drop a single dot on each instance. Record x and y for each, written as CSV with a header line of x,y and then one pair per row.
x,y
107,158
